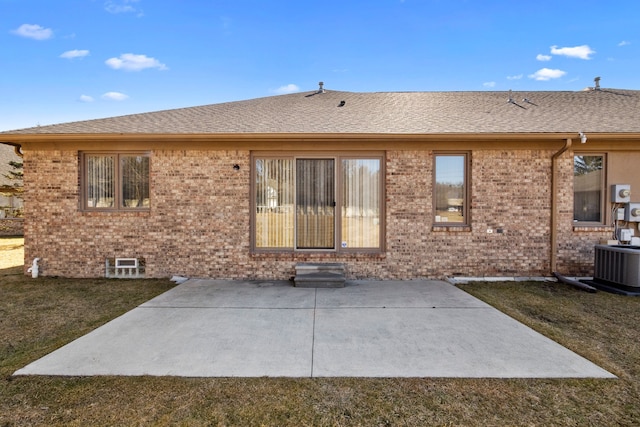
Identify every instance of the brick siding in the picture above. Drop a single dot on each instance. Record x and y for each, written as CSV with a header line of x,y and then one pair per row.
x,y
11,227
199,221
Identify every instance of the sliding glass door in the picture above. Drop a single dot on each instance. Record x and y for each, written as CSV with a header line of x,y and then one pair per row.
x,y
315,203
318,203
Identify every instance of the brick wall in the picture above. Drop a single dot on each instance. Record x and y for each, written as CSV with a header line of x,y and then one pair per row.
x,y
509,192
199,222
575,243
11,227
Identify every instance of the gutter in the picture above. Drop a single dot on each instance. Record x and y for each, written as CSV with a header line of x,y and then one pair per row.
x,y
554,204
19,138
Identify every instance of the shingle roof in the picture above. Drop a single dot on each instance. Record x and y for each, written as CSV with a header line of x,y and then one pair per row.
x,y
604,110
7,154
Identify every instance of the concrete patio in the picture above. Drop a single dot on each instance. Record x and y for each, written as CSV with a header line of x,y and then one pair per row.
x,y
213,328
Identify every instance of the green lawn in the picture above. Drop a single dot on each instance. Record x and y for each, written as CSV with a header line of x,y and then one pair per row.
x,y
39,315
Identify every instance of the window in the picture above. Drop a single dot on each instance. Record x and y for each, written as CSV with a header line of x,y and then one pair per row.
x,y
450,189
361,203
115,181
317,203
588,188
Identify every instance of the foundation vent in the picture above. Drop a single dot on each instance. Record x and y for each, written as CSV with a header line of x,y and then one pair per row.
x,y
124,268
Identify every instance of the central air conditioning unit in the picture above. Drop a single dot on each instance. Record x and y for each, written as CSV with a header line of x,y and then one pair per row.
x,y
618,265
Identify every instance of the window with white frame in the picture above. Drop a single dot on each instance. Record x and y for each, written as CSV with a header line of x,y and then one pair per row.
x,y
317,202
115,181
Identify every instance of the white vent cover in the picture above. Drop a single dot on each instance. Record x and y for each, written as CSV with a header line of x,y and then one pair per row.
x,y
126,263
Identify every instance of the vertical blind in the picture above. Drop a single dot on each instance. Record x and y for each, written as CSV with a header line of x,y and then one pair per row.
x,y
116,181
360,203
296,203
315,203
274,203
100,181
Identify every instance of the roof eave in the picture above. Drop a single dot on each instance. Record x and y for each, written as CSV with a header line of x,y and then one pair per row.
x,y
17,140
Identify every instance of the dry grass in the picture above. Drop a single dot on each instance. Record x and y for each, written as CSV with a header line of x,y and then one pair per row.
x,y
37,316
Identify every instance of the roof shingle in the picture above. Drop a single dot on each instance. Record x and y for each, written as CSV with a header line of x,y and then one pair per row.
x,y
605,110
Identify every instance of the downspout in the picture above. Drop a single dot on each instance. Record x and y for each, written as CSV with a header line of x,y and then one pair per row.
x,y
554,204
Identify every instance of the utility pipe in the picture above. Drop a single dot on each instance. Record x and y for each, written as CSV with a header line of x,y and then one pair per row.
x,y
554,204
575,283
34,269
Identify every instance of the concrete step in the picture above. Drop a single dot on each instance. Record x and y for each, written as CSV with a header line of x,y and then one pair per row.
x,y
328,267
320,275
319,280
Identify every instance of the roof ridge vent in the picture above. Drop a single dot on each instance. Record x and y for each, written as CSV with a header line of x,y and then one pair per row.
x,y
597,83
321,88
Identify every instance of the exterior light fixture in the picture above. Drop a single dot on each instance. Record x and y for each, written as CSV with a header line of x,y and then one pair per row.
x,y
236,167
583,137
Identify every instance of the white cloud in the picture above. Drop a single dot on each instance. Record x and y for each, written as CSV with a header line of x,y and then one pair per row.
x,y
543,58
545,74
290,88
516,77
86,98
71,54
115,96
33,31
131,62
624,43
581,52
122,6
489,84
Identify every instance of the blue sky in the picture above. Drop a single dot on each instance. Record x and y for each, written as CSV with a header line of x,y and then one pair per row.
x,y
81,59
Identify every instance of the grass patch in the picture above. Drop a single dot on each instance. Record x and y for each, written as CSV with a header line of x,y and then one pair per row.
x,y
602,327
39,315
